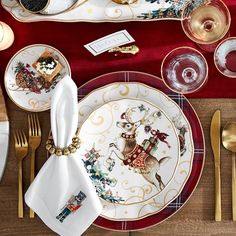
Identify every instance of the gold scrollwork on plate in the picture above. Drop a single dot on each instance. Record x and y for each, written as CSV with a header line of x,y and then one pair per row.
x,y
116,11
123,91
105,122
38,104
139,191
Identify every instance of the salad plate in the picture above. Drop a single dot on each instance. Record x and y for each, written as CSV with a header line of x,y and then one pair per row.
x,y
130,149
104,11
165,204
25,80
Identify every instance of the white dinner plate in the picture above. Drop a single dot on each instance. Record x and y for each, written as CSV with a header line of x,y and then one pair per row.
x,y
130,149
121,90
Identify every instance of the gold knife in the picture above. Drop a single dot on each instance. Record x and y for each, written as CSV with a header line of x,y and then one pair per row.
x,y
215,144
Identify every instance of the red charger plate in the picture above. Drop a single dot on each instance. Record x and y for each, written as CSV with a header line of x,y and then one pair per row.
x,y
198,139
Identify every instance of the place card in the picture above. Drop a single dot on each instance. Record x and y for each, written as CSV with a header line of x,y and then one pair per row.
x,y
108,42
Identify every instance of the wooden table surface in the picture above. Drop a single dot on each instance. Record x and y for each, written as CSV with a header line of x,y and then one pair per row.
x,y
195,218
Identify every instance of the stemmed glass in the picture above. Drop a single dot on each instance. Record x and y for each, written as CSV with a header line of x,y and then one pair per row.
x,y
206,24
6,36
184,70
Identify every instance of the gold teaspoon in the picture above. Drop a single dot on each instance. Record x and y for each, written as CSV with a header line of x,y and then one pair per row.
x,y
229,142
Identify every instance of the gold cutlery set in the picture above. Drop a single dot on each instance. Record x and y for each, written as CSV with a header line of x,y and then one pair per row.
x,y
22,146
229,142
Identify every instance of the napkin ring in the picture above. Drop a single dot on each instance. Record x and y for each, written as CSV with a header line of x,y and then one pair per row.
x,y
124,1
72,148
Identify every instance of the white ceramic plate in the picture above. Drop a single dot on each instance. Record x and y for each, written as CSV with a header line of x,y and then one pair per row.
x,y
106,11
130,149
26,88
137,90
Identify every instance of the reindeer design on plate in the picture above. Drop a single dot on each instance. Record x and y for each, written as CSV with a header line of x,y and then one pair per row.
x,y
140,157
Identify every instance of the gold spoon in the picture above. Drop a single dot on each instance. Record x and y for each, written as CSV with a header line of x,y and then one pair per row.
x,y
229,142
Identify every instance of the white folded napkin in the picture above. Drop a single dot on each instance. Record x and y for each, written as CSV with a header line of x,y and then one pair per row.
x,y
64,179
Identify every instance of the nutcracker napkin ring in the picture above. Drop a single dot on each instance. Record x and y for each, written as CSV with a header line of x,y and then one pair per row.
x,y
52,149
133,49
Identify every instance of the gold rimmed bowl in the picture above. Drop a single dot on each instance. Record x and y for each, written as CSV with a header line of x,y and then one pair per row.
x,y
34,6
49,7
225,57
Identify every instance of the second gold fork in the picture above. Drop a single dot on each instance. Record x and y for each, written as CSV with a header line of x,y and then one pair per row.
x,y
21,150
34,142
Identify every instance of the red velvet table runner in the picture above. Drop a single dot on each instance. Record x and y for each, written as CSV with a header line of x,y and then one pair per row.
x,y
155,40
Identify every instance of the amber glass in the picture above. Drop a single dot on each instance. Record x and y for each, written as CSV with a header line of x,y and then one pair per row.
x,y
207,23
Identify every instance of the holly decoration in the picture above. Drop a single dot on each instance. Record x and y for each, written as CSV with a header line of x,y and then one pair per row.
x,y
161,13
174,11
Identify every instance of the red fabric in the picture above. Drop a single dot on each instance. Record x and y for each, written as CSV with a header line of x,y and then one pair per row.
x,y
155,40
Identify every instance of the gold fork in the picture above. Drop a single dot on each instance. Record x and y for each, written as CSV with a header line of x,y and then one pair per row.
x,y
21,150
34,142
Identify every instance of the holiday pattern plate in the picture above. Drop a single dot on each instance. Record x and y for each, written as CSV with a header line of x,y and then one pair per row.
x,y
141,91
105,11
130,149
32,74
123,218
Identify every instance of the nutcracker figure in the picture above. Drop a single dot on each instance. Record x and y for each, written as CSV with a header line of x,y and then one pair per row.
x,y
71,206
